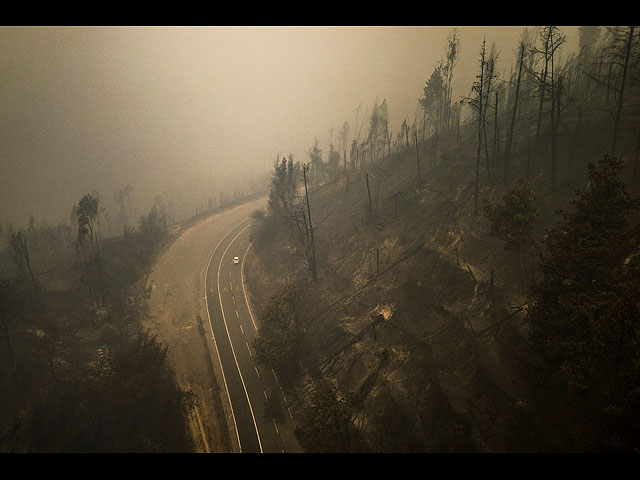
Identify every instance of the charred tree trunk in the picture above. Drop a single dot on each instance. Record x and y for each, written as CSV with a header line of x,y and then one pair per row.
x,y
529,158
312,245
635,162
510,134
417,158
629,46
486,150
576,138
368,191
495,132
346,174
480,122
7,336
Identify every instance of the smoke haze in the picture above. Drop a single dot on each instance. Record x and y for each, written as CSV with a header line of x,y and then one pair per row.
x,y
191,110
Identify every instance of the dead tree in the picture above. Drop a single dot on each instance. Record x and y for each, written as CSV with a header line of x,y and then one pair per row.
x,y
556,94
366,176
637,155
490,75
542,80
310,231
476,100
622,48
496,132
20,253
576,137
510,133
4,320
552,40
346,174
85,215
415,134
406,132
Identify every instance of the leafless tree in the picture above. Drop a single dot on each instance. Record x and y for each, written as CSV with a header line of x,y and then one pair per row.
x,y
20,253
622,49
510,132
550,83
477,100
309,231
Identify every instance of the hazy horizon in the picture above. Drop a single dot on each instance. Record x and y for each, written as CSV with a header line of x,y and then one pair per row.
x,y
161,108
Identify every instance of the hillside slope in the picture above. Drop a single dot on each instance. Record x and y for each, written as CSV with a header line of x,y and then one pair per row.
x,y
418,316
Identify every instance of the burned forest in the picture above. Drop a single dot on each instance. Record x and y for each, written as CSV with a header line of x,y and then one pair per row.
x,y
445,265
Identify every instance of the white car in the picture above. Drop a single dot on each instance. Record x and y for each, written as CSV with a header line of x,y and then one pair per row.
x,y
236,260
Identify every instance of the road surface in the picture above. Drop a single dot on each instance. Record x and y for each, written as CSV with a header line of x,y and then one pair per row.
x,y
209,345
262,420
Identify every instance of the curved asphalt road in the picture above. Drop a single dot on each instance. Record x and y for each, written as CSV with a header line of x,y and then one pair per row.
x,y
259,413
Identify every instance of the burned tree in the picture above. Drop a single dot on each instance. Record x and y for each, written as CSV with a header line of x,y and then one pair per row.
x,y
513,222
510,133
621,50
477,101
20,253
294,213
309,231
85,216
550,84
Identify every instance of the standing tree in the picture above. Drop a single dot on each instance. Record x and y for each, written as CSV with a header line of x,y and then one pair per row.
x,y
315,155
374,130
433,100
513,222
284,189
623,50
453,45
286,205
6,301
588,38
415,136
123,198
328,421
404,133
353,155
278,339
491,78
378,128
344,135
85,216
541,76
20,253
550,83
512,126
359,155
309,231
555,40
383,122
334,162
477,101
584,312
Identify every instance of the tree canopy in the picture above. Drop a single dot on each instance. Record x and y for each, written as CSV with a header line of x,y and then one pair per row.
x,y
584,312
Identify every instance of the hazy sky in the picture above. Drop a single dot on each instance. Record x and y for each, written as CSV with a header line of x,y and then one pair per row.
x,y
96,108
